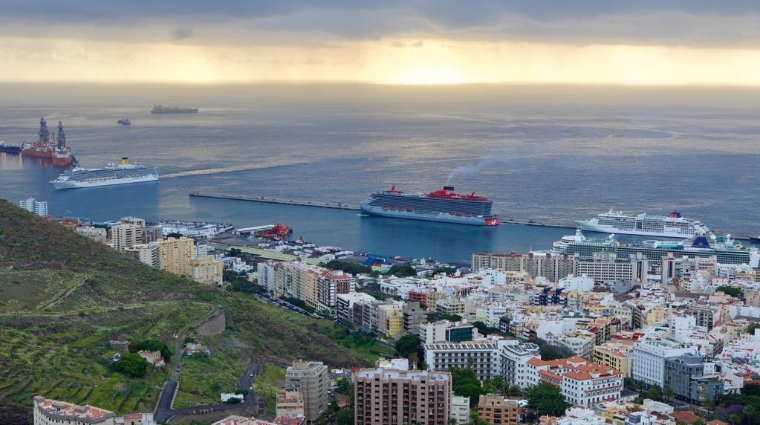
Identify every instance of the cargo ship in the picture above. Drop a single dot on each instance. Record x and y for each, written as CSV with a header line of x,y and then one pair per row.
x,y
442,205
9,148
672,225
160,109
111,174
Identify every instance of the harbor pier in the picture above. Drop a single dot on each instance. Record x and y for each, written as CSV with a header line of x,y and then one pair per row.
x,y
268,200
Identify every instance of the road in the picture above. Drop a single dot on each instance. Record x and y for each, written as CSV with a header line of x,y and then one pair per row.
x,y
164,410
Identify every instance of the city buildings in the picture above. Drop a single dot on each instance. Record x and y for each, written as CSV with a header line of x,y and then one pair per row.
x,y
311,378
54,412
388,396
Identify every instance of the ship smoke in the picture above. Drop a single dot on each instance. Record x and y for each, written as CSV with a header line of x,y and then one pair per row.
x,y
470,170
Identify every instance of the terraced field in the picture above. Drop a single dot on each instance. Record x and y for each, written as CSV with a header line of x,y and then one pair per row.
x,y
63,297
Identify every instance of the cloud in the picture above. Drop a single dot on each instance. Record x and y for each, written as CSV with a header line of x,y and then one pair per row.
x,y
418,44
181,33
696,23
398,44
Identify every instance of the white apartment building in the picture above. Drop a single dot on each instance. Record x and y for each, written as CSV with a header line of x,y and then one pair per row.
x,y
460,409
582,382
145,252
207,269
125,236
513,360
605,267
345,304
648,359
37,207
480,356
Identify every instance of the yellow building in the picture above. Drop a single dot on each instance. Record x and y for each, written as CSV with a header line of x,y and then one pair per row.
x,y
174,256
206,269
616,355
390,320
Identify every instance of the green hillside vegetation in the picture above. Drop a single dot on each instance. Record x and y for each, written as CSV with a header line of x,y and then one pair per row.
x,y
63,297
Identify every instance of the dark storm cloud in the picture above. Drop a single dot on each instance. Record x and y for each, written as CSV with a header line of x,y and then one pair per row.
x,y
697,22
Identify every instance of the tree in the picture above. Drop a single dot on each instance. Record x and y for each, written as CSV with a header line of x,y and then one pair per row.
x,y
465,383
345,417
153,345
402,271
655,393
407,344
132,364
550,351
730,291
547,399
669,392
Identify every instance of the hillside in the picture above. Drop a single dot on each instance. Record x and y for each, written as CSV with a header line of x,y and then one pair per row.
x,y
63,297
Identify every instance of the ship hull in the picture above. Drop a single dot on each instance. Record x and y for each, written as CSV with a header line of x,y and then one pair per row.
x,y
37,154
437,217
591,227
98,183
10,149
62,161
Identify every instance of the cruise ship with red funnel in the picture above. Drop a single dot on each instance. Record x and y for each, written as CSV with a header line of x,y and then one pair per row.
x,y
444,205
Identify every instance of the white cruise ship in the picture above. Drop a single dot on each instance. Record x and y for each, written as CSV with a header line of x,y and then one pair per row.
x,y
111,174
666,226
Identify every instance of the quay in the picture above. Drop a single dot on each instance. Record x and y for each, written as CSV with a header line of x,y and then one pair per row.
x,y
264,199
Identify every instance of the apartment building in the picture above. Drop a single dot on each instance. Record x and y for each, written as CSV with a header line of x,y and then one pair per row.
x,y
606,267
649,355
54,412
692,380
174,255
32,205
414,315
345,306
145,252
615,355
480,356
497,410
125,236
311,378
207,269
450,307
290,403
552,267
513,358
582,382
390,320
388,396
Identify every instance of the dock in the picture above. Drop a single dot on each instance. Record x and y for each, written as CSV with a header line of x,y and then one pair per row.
x,y
268,200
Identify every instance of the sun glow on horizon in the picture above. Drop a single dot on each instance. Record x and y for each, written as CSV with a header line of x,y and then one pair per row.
x,y
407,62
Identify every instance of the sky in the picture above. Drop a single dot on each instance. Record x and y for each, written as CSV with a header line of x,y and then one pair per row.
x,y
643,42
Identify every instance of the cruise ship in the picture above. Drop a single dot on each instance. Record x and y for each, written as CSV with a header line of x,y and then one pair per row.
x,y
442,205
666,226
724,248
111,174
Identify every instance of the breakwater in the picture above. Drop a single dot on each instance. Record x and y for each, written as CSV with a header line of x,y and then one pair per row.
x,y
268,200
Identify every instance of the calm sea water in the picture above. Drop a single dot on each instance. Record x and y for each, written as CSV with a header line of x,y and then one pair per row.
x,y
552,154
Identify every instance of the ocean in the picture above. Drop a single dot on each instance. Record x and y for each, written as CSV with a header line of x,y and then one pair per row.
x,y
552,154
